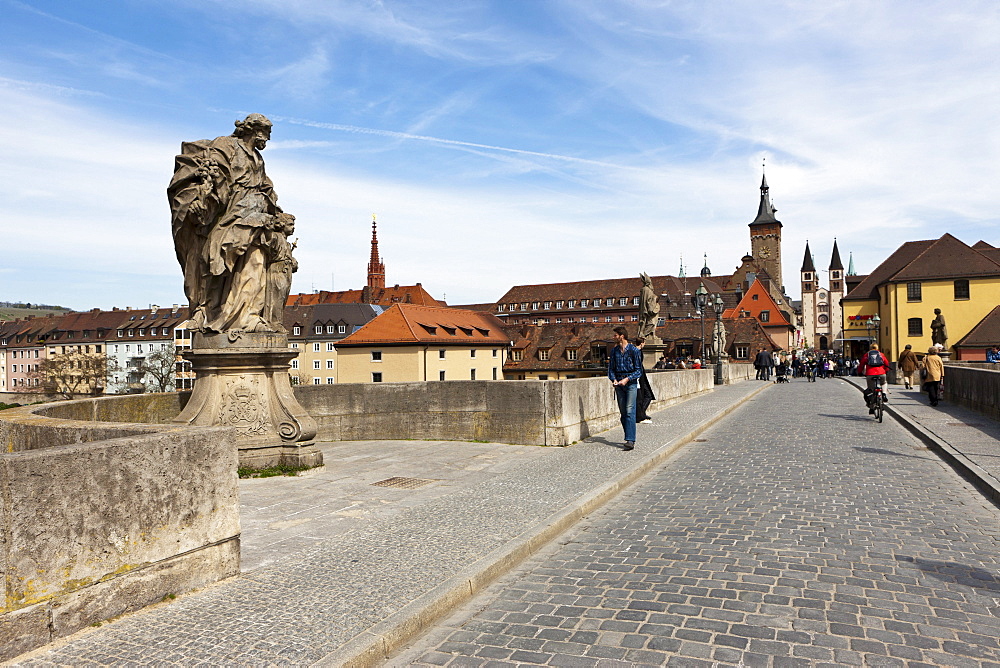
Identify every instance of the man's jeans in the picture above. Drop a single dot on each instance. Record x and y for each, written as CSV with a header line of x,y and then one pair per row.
x,y
626,406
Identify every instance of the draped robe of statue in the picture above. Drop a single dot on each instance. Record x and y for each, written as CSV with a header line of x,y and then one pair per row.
x,y
719,340
222,205
649,308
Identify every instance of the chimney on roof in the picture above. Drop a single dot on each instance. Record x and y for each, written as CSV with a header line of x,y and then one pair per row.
x,y
173,307
115,308
128,308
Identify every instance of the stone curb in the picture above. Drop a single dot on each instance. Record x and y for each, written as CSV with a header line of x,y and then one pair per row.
x,y
983,480
374,645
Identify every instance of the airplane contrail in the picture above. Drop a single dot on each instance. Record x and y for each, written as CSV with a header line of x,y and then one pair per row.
x,y
451,142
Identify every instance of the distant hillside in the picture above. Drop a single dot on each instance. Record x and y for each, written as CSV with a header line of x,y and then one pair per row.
x,y
10,312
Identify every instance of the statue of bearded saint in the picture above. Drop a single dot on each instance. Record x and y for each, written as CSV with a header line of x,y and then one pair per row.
x,y
649,308
229,233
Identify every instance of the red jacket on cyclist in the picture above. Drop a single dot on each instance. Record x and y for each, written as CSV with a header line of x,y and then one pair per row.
x,y
867,369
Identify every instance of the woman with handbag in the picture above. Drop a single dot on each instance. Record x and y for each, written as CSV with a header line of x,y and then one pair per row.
x,y
931,375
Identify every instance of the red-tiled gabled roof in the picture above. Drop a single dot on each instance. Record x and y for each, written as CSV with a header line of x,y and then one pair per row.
x,y
585,338
948,257
409,324
613,288
868,288
985,334
763,302
930,259
397,294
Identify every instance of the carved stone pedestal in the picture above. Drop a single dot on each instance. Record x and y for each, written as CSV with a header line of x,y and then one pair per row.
x,y
243,383
652,351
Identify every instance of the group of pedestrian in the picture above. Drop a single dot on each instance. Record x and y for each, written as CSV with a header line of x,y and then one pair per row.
x,y
677,363
809,366
930,371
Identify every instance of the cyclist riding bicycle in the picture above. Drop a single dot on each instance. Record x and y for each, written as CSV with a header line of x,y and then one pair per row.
x,y
873,367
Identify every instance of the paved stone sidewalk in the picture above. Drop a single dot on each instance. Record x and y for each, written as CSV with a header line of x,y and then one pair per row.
x,y
332,561
800,532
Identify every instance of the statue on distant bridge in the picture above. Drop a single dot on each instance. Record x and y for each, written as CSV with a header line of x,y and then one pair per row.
x,y
649,308
939,332
229,233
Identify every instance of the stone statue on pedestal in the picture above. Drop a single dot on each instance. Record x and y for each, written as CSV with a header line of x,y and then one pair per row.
x,y
719,341
230,235
231,239
939,331
649,308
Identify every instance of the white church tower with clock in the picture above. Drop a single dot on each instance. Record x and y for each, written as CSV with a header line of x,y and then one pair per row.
x,y
822,313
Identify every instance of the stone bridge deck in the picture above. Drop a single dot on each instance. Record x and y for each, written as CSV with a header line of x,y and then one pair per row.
x,y
339,569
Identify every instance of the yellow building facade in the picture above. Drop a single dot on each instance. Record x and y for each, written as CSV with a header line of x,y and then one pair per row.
x,y
904,291
402,363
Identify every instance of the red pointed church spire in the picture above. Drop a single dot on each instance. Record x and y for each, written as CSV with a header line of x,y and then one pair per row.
x,y
376,268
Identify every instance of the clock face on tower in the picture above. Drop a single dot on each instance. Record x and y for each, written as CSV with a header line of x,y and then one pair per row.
x,y
764,253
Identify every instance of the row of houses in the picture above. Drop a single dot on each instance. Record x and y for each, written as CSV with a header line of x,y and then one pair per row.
x,y
141,350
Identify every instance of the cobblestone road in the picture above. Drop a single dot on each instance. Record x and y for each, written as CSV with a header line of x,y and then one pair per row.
x,y
798,532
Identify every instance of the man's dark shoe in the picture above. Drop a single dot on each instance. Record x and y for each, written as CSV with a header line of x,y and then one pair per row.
x,y
629,445
871,411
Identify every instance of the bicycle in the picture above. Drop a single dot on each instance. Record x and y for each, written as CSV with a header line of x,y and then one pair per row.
x,y
878,402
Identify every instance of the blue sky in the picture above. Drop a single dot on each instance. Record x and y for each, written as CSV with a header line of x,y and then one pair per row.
x,y
500,142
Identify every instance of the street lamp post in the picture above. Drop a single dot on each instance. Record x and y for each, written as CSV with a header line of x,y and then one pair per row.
x,y
719,307
700,300
873,324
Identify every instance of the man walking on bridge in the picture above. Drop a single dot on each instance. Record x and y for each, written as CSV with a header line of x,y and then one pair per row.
x,y
624,369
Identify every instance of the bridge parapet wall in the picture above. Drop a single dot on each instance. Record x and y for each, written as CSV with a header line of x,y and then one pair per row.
x,y
100,519
529,412
975,385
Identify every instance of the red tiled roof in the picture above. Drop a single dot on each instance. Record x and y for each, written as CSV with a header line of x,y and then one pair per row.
x,y
408,324
614,288
397,294
985,334
585,338
948,257
764,302
868,288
